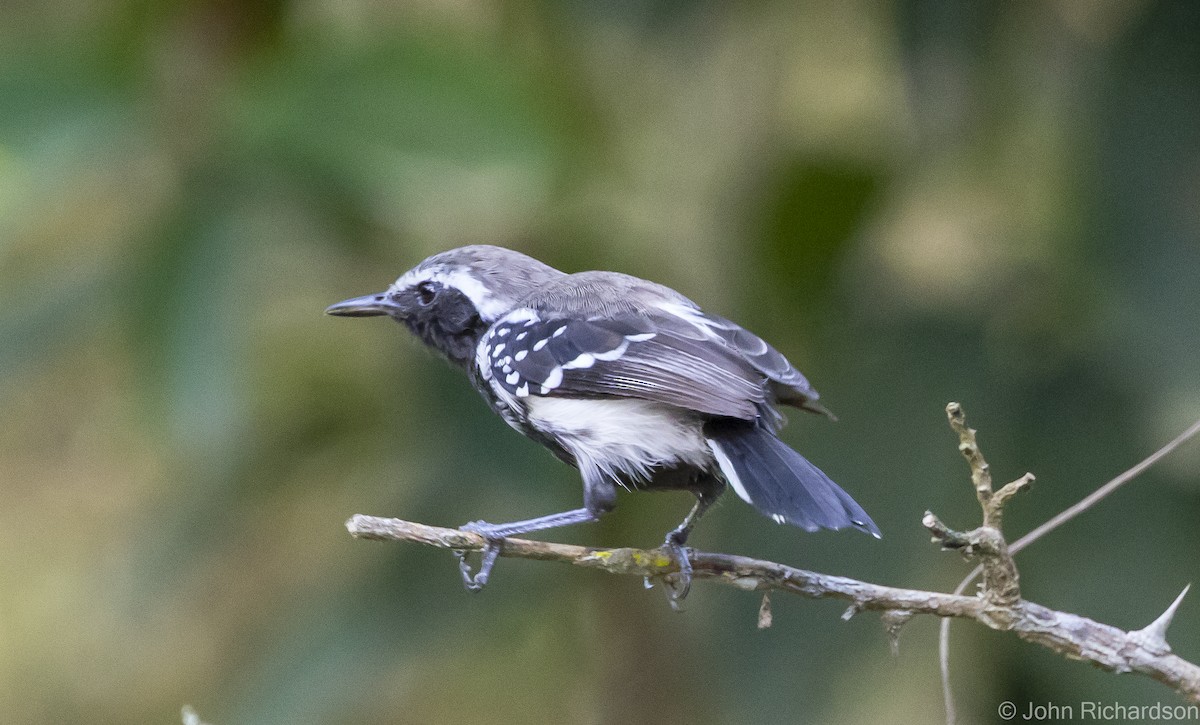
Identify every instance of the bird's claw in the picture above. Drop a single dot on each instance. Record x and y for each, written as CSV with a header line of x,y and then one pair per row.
x,y
679,584
475,581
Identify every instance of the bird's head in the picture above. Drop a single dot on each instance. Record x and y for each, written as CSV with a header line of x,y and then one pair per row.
x,y
451,298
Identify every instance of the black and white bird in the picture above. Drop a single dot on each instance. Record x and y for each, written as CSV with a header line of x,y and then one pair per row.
x,y
627,380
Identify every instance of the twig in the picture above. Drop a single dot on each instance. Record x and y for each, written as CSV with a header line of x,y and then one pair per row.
x,y
1025,541
1001,583
1099,494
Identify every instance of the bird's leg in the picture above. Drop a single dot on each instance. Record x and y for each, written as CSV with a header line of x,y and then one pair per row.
x,y
496,533
681,584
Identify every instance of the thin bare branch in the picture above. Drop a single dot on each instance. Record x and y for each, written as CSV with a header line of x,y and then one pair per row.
x,y
981,473
737,571
1099,494
1001,583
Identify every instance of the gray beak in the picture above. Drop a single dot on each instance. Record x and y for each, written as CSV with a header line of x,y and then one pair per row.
x,y
365,306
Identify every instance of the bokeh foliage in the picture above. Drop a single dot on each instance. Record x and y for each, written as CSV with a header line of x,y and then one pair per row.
x,y
997,203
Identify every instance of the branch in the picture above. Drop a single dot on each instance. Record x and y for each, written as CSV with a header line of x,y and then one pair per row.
x,y
737,571
1068,634
999,606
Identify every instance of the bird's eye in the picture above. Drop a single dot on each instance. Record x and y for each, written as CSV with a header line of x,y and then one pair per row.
x,y
426,292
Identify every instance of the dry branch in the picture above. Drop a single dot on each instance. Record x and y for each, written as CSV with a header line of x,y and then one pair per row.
x,y
1068,634
998,606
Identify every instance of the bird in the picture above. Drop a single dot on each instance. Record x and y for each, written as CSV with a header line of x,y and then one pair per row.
x,y
627,380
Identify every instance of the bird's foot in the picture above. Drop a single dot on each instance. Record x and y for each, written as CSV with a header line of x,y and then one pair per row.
x,y
679,584
475,581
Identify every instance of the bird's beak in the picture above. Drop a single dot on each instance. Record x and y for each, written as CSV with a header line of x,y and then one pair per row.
x,y
365,306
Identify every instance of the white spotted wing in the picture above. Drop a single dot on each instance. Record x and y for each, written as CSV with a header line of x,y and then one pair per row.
x,y
652,357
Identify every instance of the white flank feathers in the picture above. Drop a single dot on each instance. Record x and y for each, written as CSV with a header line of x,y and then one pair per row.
x,y
624,436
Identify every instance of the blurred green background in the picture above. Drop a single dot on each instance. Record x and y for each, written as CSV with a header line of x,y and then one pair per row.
x,y
997,203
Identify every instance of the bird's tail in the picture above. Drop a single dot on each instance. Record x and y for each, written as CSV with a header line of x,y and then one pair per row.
x,y
779,482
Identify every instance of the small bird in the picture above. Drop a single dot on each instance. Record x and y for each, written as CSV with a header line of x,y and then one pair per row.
x,y
625,379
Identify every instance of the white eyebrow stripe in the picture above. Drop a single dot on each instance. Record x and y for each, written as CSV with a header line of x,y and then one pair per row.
x,y
489,308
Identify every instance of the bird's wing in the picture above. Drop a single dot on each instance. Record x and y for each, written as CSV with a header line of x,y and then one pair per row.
x,y
653,355
787,383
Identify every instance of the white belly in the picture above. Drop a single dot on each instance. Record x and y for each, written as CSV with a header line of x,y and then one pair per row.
x,y
623,437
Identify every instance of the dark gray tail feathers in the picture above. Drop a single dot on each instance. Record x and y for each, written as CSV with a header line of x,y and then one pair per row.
x,y
779,482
